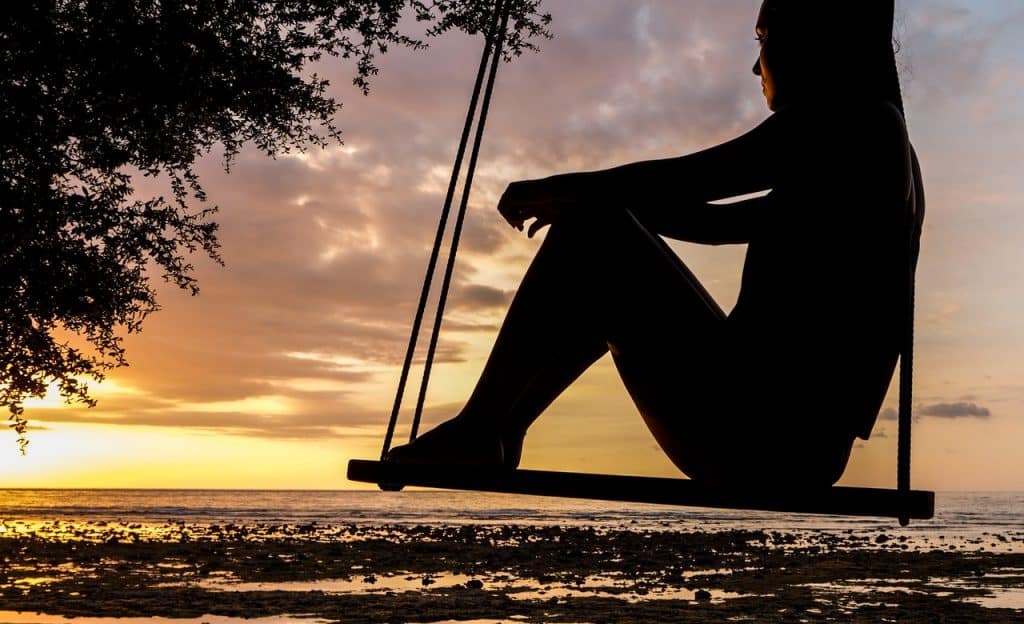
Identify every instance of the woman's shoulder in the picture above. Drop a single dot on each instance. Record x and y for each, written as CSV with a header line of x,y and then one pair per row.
x,y
878,121
866,120
861,134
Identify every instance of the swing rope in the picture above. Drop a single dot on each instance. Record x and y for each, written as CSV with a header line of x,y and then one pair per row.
x,y
907,355
457,232
906,403
493,42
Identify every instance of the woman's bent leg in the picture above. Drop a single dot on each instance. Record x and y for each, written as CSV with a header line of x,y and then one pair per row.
x,y
599,280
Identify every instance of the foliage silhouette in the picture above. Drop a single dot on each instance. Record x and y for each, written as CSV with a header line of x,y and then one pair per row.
x,y
96,93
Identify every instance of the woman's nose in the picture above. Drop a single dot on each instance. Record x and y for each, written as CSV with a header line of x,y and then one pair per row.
x,y
757,66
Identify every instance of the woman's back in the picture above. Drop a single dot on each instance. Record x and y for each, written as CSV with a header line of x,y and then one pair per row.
x,y
824,284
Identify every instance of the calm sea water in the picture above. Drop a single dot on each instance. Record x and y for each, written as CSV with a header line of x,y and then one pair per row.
x,y
963,513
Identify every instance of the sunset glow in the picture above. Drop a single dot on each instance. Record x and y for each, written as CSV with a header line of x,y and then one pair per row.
x,y
284,367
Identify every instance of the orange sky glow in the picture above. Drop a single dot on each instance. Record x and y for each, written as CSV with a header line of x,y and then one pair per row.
x,y
285,366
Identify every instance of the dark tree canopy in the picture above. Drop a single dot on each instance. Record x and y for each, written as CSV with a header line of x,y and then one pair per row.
x,y
94,93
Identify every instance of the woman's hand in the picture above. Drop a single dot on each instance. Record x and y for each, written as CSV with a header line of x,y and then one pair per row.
x,y
543,200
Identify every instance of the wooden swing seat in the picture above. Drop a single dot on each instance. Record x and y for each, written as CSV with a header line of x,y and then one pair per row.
x,y
847,501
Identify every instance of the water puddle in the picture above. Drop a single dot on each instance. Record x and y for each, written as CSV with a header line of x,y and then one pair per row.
x,y
635,594
367,584
33,580
1000,598
995,597
514,618
871,586
516,588
25,617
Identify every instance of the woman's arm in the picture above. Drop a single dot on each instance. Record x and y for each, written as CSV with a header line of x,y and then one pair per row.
x,y
740,166
670,195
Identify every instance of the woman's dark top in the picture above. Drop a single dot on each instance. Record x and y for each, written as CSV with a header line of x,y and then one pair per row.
x,y
824,285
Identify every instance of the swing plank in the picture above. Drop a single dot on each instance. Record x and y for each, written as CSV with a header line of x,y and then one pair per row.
x,y
847,501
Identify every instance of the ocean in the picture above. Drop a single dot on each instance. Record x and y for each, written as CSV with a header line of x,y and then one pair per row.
x,y
968,515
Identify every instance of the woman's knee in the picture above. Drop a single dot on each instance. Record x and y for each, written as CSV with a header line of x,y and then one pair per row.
x,y
611,233
596,219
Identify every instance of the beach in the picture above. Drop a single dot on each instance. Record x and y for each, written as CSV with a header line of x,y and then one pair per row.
x,y
589,568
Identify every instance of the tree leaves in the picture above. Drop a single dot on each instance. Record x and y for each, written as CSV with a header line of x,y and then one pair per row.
x,y
95,93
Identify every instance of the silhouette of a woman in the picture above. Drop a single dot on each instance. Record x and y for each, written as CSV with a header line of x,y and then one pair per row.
x,y
779,388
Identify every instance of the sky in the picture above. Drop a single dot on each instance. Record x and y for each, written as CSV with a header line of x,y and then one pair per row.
x,y
284,367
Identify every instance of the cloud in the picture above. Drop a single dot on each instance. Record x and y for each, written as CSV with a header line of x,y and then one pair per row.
x,y
479,296
959,409
311,422
956,58
943,48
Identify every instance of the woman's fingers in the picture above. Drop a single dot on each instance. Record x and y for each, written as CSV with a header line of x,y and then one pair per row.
x,y
527,200
536,226
513,220
511,210
518,214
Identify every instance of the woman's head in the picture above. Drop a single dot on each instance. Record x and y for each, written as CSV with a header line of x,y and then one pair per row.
x,y
826,50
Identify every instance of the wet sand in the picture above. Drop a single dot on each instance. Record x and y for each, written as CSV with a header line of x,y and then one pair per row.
x,y
348,573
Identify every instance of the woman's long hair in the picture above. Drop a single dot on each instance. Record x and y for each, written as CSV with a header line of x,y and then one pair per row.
x,y
833,47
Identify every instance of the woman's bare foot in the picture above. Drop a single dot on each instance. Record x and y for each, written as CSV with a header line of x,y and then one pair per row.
x,y
454,442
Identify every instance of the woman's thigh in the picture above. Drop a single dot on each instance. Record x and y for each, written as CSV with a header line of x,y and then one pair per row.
x,y
648,294
726,415
722,407
668,337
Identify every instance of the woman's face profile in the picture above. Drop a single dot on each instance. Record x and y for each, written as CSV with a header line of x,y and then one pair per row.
x,y
764,67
